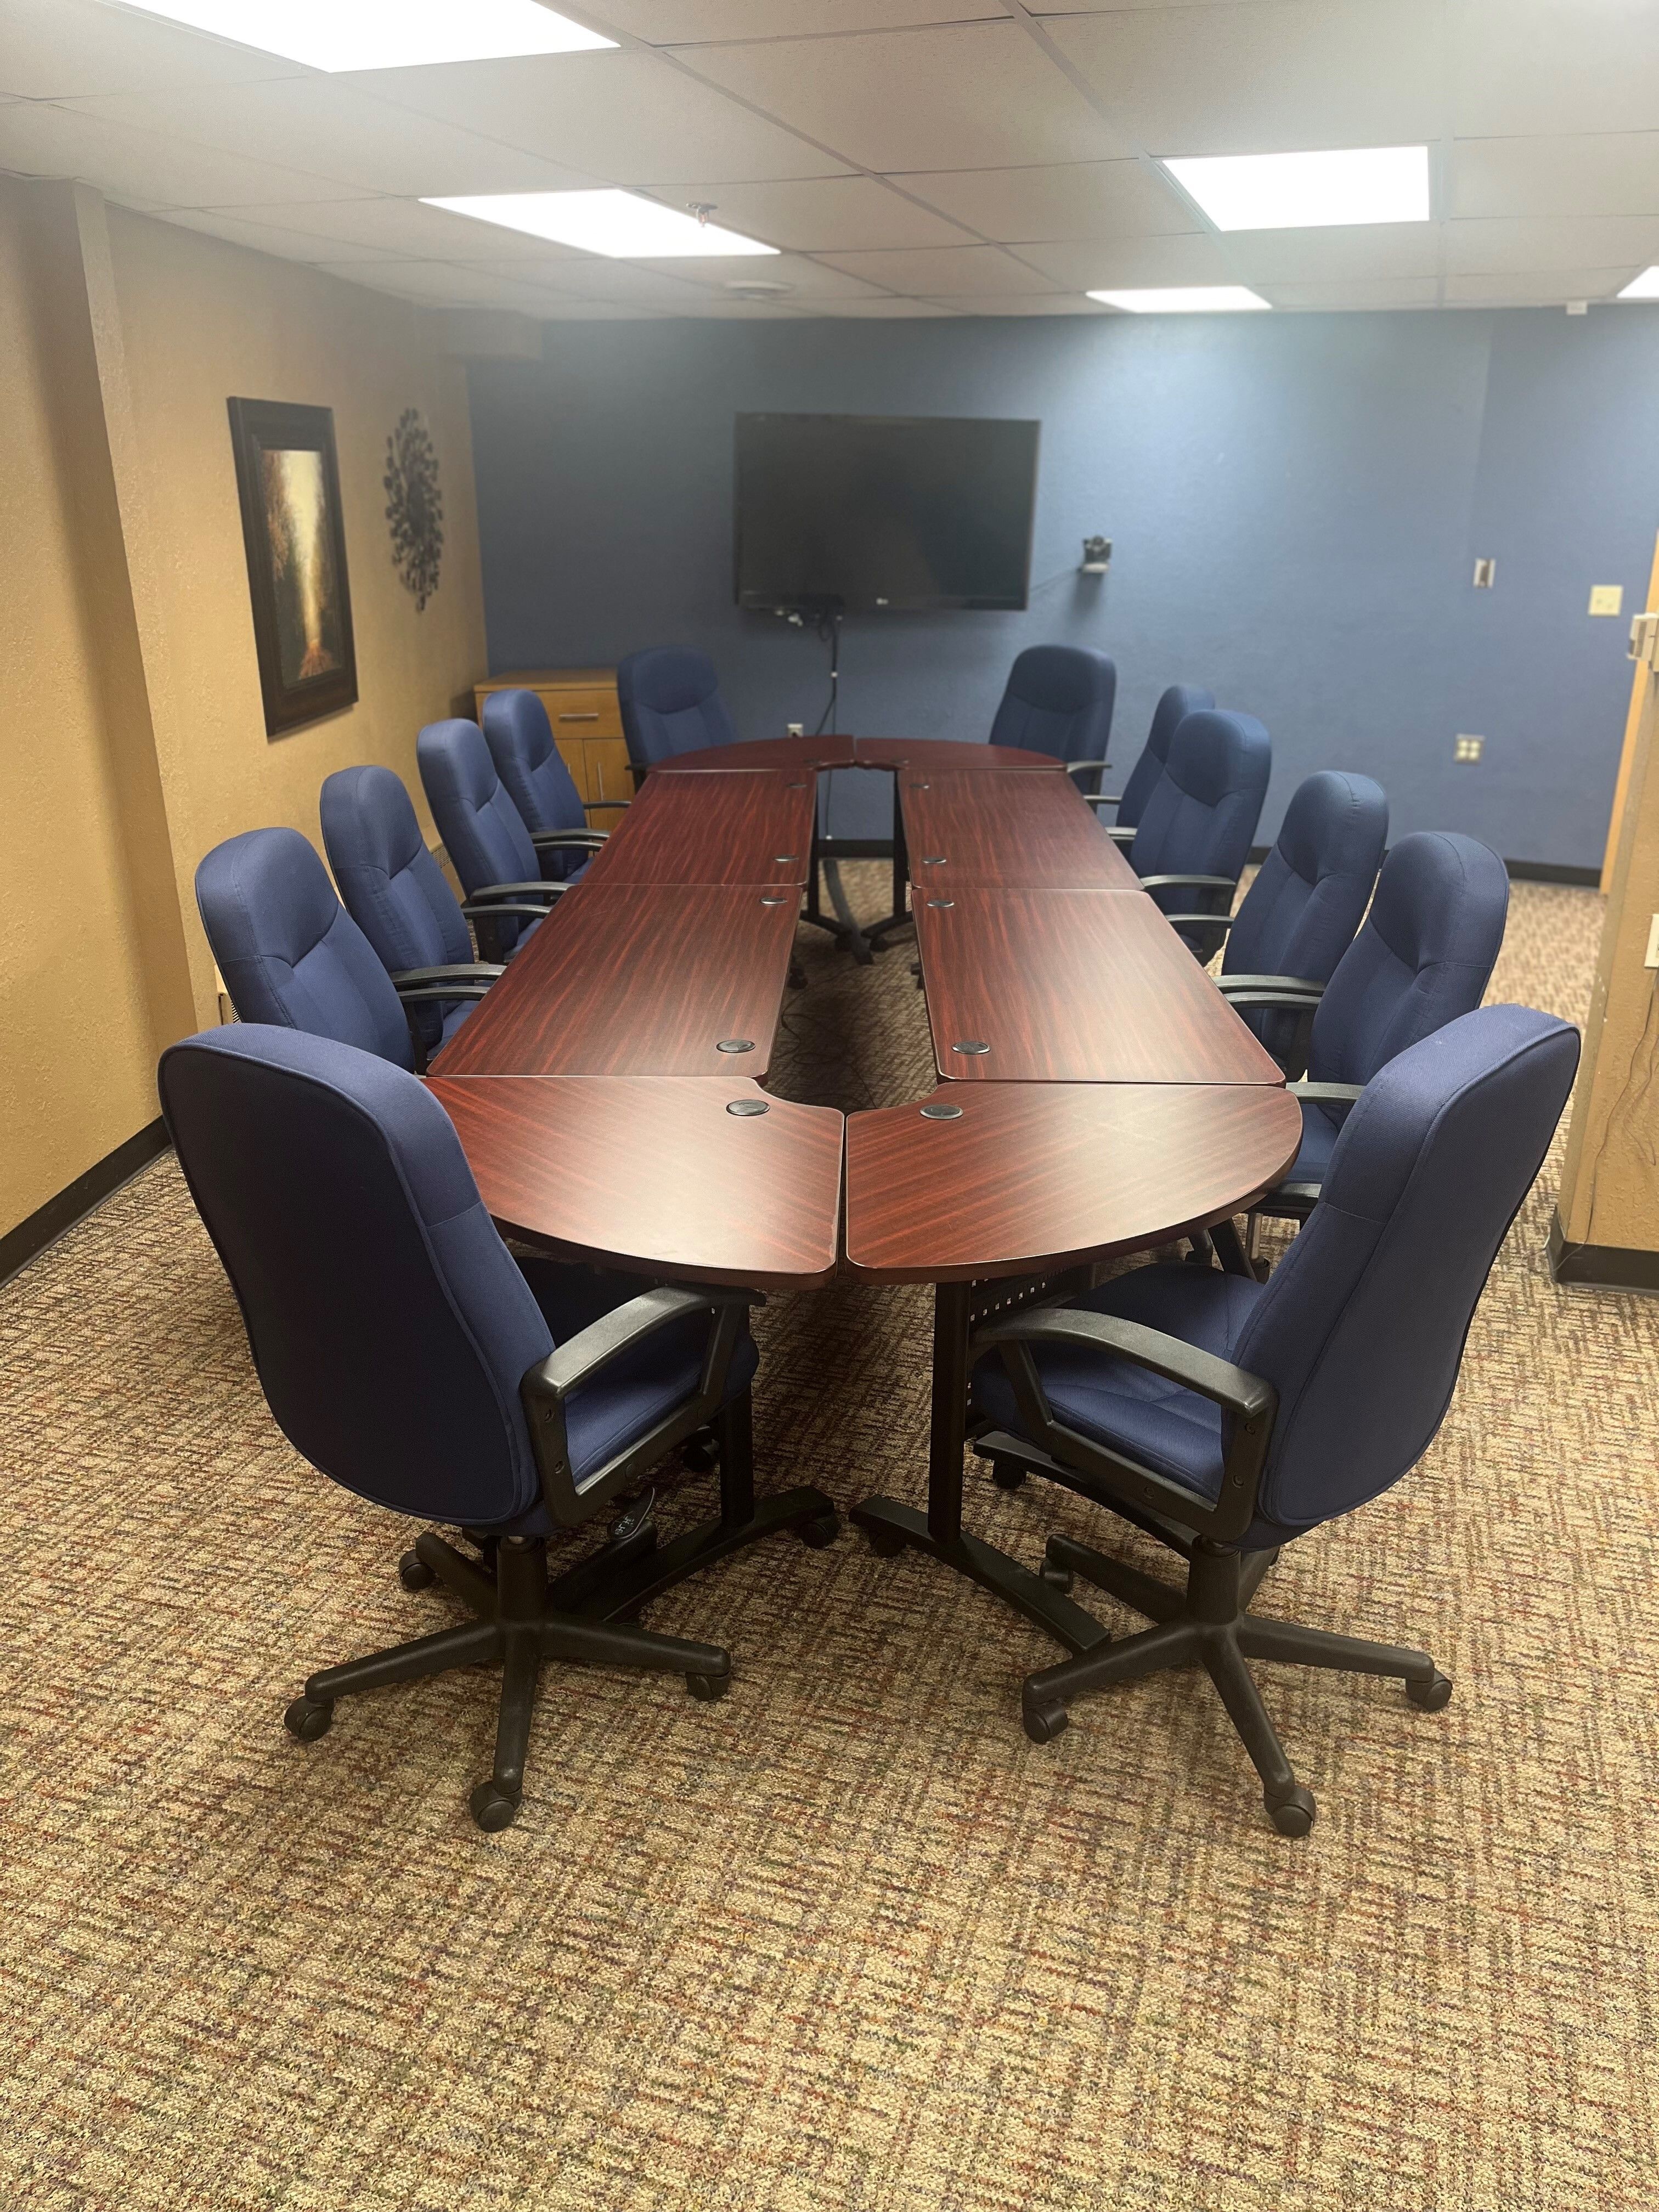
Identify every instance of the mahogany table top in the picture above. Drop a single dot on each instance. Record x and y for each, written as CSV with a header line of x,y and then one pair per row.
x,y
1006,832
737,828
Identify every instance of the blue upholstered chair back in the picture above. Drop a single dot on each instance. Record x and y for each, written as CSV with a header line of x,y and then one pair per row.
x,y
1299,916
1202,816
290,954
1424,956
1059,701
1361,1326
520,740
393,888
670,703
1179,701
388,1322
483,832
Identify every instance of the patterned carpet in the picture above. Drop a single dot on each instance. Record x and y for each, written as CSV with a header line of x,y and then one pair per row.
x,y
846,1942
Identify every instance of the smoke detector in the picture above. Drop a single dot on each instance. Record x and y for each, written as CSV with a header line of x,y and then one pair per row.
x,y
757,288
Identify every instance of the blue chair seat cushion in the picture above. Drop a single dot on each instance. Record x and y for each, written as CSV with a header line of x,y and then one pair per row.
x,y
1319,1136
636,1390
1111,1402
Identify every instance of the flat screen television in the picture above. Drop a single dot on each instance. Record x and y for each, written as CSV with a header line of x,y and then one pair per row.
x,y
865,512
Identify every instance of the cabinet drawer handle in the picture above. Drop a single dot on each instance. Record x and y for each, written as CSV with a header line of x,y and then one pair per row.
x,y
593,717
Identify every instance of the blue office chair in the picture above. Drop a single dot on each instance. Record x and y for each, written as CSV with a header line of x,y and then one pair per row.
x,y
292,957
483,834
520,740
395,892
670,703
1424,956
405,1355
1172,709
1059,701
1298,917
1196,829
1229,1417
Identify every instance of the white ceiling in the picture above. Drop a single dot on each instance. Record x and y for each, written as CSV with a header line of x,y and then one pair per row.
x,y
910,157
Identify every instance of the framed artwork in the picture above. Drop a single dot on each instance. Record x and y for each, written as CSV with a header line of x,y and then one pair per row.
x,y
289,485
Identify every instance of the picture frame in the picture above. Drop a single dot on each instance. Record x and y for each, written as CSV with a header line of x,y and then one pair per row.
x,y
287,481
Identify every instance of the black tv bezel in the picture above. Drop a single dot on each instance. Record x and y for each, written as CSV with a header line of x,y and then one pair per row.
x,y
764,603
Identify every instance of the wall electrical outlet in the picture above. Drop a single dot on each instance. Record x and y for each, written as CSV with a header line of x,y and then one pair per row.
x,y
1485,570
1652,960
795,730
1607,599
1468,748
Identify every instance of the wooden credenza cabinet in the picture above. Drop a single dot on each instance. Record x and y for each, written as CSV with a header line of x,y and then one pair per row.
x,y
581,705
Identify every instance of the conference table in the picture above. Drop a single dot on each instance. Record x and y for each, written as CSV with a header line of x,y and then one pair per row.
x,y
1095,1094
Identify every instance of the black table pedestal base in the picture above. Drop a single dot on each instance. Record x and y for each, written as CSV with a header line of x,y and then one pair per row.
x,y
890,1527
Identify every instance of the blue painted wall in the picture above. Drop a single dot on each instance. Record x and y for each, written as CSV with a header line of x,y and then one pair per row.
x,y
1296,503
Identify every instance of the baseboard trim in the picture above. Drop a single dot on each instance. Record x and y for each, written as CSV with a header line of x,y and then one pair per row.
x,y
1552,872
1600,1267
50,1221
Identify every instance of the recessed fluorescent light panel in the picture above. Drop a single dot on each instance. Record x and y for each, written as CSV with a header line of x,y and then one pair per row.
x,y
616,223
1644,287
1185,299
1308,191
373,34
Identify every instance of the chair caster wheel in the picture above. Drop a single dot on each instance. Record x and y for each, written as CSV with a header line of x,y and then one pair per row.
x,y
885,1543
1058,1578
818,1535
700,1455
493,1808
1042,1724
1293,1814
414,1573
1432,1695
1007,1475
707,1687
307,1718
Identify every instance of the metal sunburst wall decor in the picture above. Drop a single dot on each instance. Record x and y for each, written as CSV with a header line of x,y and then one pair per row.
x,y
415,506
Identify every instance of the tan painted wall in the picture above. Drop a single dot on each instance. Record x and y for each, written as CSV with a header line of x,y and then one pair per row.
x,y
201,321
75,1071
133,734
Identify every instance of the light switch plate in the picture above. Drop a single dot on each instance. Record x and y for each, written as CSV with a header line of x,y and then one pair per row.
x,y
1486,569
1468,748
1607,599
1652,960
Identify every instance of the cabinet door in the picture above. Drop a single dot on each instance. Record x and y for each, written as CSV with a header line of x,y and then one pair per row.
x,y
607,768
573,751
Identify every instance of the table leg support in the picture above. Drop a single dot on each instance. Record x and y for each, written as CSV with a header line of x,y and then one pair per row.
x,y
900,917
891,1526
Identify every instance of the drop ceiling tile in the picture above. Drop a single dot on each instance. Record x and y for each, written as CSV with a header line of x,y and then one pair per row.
x,y
64,49
1581,172
589,276
1266,75
818,279
687,22
325,126
1524,288
1378,292
709,307
596,311
446,282
1541,65
976,94
1081,266
937,270
155,168
1340,254
631,118
813,215
1530,242
288,244
402,226
1070,199
1050,303
882,307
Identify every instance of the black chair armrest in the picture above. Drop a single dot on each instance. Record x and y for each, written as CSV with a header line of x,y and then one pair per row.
x,y
1249,1404
1125,837
1298,1001
537,886
1220,923
1345,1095
1073,767
547,1389
1194,883
604,806
493,911
1299,984
463,971
1102,798
554,841
442,994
